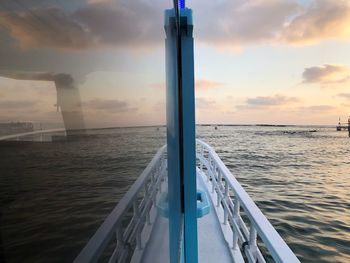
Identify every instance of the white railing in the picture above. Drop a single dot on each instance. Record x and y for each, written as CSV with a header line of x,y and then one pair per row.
x,y
129,225
231,196
125,232
40,133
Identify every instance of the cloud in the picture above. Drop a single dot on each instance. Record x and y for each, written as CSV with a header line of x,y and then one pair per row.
x,y
17,104
239,23
123,23
111,106
138,23
234,23
316,108
324,19
205,103
205,84
327,74
201,84
290,114
270,100
97,24
159,106
49,27
344,95
159,86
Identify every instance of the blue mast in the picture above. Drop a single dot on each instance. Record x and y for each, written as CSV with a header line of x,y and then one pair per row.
x,y
182,189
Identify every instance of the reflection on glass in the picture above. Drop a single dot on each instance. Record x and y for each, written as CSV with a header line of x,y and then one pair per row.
x,y
68,97
82,114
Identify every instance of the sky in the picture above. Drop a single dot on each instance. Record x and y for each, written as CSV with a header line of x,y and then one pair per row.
x,y
256,61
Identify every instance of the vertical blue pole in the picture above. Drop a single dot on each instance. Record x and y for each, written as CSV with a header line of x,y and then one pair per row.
x,y
182,190
173,146
189,138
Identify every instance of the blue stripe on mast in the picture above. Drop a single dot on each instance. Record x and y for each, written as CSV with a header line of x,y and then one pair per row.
x,y
182,4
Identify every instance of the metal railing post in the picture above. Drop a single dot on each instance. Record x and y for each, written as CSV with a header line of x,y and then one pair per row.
x,y
120,240
236,208
137,217
147,197
202,155
208,171
252,242
235,217
219,188
212,180
226,197
209,160
153,181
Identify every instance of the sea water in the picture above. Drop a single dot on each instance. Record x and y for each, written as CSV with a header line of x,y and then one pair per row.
x,y
54,196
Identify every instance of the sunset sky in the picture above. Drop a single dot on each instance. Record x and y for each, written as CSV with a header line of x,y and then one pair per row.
x,y
258,61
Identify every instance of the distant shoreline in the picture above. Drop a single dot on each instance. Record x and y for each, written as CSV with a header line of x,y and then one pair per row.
x,y
211,125
220,125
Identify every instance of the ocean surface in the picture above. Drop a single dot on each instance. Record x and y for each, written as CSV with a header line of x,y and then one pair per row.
x,y
54,196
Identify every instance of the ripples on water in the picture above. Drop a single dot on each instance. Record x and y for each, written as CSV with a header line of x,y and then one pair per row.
x,y
55,195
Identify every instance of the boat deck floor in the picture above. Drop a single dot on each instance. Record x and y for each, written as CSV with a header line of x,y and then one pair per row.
x,y
212,246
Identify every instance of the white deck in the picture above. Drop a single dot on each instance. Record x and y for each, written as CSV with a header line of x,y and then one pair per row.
x,y
212,246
